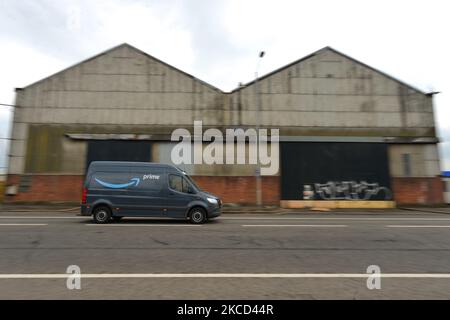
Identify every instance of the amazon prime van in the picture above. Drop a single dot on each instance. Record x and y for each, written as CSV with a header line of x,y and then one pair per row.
x,y
113,190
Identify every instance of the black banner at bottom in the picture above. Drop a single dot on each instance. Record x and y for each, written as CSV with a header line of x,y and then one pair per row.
x,y
225,309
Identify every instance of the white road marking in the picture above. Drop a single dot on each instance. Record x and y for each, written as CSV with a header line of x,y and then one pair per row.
x,y
142,225
297,225
342,218
226,275
416,226
22,224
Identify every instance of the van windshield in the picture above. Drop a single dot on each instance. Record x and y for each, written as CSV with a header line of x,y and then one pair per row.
x,y
192,182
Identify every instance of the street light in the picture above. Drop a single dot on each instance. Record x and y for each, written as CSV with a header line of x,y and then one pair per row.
x,y
258,123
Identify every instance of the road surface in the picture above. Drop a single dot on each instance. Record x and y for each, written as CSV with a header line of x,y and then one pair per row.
x,y
293,256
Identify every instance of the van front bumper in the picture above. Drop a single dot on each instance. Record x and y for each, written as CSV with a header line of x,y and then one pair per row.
x,y
215,212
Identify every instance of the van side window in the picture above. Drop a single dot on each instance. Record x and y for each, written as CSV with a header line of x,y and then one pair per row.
x,y
178,183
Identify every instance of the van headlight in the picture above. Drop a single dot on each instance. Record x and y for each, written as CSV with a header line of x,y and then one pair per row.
x,y
212,200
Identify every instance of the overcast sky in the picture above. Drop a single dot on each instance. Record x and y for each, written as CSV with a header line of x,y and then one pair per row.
x,y
219,41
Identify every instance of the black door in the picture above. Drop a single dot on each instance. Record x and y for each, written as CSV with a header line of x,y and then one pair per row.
x,y
118,150
335,171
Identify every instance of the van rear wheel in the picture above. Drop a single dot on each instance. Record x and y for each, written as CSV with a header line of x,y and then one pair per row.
x,y
197,216
102,215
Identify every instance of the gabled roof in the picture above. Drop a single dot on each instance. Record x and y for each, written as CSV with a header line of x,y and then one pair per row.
x,y
328,48
135,49
172,67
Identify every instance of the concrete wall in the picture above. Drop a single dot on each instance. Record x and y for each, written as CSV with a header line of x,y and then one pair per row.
x,y
125,90
122,87
50,151
424,160
331,93
162,153
422,184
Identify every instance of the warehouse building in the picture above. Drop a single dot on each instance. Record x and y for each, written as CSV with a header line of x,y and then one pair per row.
x,y
350,135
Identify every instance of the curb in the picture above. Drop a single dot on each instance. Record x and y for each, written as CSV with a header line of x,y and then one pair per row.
x,y
425,210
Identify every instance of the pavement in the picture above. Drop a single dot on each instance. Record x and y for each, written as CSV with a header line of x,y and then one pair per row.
x,y
295,255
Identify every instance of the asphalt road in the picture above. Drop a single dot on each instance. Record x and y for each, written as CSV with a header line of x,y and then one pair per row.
x,y
295,256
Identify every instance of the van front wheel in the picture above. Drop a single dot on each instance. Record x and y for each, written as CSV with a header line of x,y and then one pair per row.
x,y
197,216
102,215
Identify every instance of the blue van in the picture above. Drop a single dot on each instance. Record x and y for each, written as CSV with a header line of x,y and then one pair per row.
x,y
114,189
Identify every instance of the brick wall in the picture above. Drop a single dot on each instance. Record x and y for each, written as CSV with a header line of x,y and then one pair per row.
x,y
418,190
68,188
241,190
48,188
231,189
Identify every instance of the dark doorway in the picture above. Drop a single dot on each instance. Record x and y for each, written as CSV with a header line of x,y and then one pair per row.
x,y
335,171
118,150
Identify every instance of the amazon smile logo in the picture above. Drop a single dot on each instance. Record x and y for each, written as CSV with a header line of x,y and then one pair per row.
x,y
133,182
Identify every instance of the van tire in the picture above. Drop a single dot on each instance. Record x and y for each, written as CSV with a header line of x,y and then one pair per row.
x,y
102,215
198,215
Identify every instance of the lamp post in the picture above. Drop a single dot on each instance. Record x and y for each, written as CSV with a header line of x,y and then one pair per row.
x,y
258,123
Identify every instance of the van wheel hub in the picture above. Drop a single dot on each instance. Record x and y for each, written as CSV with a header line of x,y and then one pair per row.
x,y
102,215
197,216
